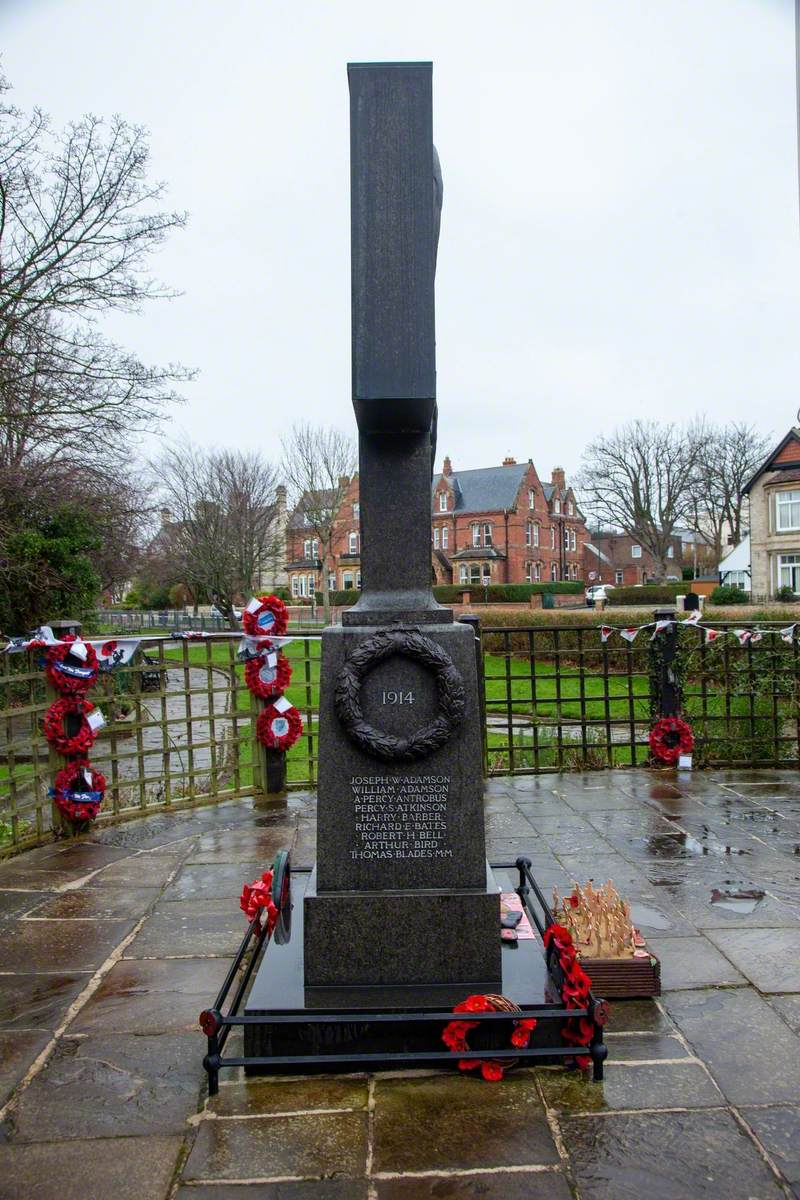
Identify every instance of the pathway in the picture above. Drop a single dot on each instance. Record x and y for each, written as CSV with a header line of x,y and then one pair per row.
x,y
110,947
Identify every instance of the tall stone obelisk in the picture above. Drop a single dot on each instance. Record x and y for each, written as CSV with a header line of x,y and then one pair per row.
x,y
402,894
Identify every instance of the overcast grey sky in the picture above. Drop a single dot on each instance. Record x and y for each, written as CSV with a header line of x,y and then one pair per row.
x,y
620,225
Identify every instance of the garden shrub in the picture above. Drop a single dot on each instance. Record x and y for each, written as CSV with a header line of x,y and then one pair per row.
x,y
650,593
729,594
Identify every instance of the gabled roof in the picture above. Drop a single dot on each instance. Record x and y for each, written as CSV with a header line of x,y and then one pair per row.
x,y
487,489
596,550
790,443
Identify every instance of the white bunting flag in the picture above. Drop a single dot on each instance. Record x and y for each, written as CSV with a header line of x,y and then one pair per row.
x,y
756,636
743,636
693,618
659,626
41,636
192,635
630,633
605,632
787,634
711,635
95,720
115,652
282,705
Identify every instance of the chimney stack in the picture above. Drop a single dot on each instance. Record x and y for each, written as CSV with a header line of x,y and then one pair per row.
x,y
509,462
447,467
344,481
558,478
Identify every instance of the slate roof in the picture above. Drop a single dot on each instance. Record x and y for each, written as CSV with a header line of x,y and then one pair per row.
x,y
792,435
487,489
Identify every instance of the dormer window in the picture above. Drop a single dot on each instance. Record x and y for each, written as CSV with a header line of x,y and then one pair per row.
x,y
531,498
557,506
442,501
570,508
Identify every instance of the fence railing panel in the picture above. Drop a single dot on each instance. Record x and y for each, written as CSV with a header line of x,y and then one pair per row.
x,y
180,729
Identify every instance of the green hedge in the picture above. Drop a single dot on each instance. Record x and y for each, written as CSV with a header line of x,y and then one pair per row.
x,y
729,594
350,596
651,593
504,593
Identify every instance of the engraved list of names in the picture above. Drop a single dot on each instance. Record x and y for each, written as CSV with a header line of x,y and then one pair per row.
x,y
402,816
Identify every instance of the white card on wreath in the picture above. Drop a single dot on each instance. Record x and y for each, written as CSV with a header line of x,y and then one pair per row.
x,y
685,762
254,605
272,660
95,720
78,649
282,705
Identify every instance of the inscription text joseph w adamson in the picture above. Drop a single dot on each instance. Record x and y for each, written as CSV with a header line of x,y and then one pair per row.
x,y
400,817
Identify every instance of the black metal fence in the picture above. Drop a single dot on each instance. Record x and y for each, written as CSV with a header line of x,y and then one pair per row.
x,y
563,697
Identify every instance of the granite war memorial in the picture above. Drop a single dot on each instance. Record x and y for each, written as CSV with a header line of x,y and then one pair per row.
x,y
400,919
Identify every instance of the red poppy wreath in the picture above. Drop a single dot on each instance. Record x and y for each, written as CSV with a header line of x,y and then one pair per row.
x,y
268,618
265,681
455,1033
575,990
55,729
68,673
670,738
279,730
78,790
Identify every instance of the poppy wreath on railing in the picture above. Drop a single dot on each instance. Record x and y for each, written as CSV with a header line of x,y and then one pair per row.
x,y
69,674
576,989
269,618
455,1033
670,738
265,681
279,730
54,726
256,897
78,790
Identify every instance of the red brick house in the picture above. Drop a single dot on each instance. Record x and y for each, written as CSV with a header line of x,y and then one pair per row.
x,y
617,558
503,525
490,525
304,566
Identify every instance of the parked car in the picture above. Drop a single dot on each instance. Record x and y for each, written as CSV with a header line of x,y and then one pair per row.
x,y
215,612
598,592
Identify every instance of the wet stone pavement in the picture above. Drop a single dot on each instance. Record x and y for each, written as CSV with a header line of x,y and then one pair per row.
x,y
111,946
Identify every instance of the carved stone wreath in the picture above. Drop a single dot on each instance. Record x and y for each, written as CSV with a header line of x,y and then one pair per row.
x,y
367,655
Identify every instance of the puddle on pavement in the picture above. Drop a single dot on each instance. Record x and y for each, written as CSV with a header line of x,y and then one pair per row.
x,y
652,918
677,845
743,902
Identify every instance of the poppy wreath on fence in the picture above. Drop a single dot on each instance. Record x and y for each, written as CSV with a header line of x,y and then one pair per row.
x,y
67,672
74,795
265,681
455,1033
270,617
576,989
670,738
256,897
54,726
279,730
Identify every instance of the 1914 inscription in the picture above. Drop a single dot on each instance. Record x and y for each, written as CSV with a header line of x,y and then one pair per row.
x,y
400,816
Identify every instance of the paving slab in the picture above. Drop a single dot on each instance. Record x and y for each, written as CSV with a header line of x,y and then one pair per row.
x,y
770,959
261,1097
691,962
213,929
789,1008
139,870
778,1130
501,1185
666,1156
15,903
634,1085
60,945
274,1147
294,1189
236,845
18,1049
152,996
214,881
454,1122
117,1085
753,1056
99,904
633,1047
31,1001
638,1016
101,1169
